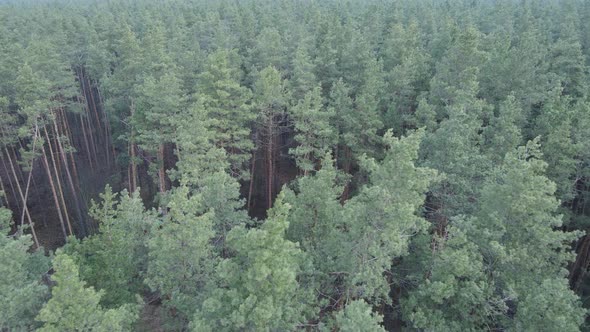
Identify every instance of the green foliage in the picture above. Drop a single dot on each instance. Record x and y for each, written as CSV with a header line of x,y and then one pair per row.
x,y
21,287
482,270
257,288
124,227
74,307
313,131
357,316
230,100
229,103
384,216
180,254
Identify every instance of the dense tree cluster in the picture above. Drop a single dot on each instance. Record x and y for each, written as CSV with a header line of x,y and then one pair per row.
x,y
294,165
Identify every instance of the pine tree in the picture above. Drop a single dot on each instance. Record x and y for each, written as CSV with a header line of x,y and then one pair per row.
x,y
383,217
483,266
257,288
229,103
115,259
357,316
270,98
303,79
180,258
157,103
21,286
313,133
75,307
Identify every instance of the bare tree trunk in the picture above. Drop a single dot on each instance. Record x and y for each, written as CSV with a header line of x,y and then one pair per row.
x,y
14,195
269,157
55,198
252,173
92,142
133,149
66,130
62,153
347,166
86,87
4,192
22,220
84,134
161,168
107,127
34,182
58,181
20,192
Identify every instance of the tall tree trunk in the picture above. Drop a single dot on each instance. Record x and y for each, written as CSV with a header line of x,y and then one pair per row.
x,y
20,178
161,167
58,182
133,150
62,153
22,219
107,125
4,192
88,92
84,134
55,197
269,157
34,182
347,167
252,174
68,133
22,197
12,189
92,141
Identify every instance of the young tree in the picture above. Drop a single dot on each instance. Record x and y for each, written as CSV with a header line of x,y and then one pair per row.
x,y
75,307
383,217
181,259
21,287
115,259
257,289
229,103
303,79
358,316
483,274
159,99
313,132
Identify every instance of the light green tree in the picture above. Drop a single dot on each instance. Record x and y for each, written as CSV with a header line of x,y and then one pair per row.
x,y
257,288
75,307
21,287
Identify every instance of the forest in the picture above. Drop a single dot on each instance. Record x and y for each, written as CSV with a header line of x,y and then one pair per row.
x,y
294,165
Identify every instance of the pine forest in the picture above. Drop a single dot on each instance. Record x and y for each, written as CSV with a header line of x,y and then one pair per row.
x,y
294,165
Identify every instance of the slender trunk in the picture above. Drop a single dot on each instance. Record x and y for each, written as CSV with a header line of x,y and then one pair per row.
x,y
347,167
252,172
92,142
22,197
86,86
4,192
22,219
34,182
133,149
55,198
58,181
62,153
269,157
66,130
20,178
14,195
107,125
161,170
84,134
